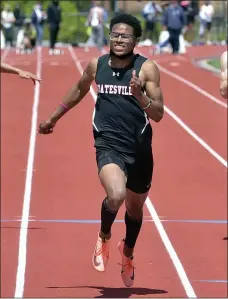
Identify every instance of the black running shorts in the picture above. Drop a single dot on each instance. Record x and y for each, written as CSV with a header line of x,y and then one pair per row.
x,y
138,167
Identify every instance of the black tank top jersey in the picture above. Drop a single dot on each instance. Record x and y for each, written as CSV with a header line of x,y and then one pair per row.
x,y
119,122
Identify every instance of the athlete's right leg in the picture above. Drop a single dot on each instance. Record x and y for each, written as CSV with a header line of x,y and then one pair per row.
x,y
113,179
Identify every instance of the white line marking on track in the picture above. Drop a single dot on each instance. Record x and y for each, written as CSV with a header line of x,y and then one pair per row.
x,y
168,245
196,137
193,134
190,84
20,276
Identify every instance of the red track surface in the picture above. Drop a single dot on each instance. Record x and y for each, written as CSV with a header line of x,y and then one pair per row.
x,y
189,184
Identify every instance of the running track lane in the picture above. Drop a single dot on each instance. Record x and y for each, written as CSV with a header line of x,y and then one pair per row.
x,y
16,108
103,291
66,186
195,188
203,178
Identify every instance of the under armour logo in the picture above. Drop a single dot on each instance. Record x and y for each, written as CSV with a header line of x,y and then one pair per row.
x,y
115,74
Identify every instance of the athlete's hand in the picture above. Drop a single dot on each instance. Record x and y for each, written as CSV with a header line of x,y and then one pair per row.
x,y
136,85
27,75
46,127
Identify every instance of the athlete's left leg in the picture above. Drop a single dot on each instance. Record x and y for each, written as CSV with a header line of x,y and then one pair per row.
x,y
138,185
134,203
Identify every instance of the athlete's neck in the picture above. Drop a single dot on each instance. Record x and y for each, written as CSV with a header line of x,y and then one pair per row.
x,y
120,62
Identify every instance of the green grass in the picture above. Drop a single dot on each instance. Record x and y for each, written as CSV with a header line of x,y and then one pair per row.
x,y
215,63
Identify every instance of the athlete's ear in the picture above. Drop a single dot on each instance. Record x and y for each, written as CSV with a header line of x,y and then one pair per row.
x,y
137,40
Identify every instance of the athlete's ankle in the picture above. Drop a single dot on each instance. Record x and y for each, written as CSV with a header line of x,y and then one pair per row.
x,y
128,252
105,236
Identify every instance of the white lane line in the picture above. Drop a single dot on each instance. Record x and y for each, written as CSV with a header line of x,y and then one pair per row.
x,y
165,239
20,276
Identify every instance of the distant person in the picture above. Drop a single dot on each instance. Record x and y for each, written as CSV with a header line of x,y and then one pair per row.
x,y
190,14
150,13
96,22
38,18
19,19
223,76
206,15
54,18
174,22
27,37
7,21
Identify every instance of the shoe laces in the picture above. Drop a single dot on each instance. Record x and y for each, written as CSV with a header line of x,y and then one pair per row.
x,y
102,246
128,264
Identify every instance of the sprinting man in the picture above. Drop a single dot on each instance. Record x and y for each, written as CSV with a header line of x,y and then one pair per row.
x,y
6,68
223,77
129,94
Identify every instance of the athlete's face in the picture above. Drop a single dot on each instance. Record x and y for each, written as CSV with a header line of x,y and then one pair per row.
x,y
122,39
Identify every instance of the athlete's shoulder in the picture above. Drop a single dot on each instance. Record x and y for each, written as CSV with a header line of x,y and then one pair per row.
x,y
150,65
91,67
150,71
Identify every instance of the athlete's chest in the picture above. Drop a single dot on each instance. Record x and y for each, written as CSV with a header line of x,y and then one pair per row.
x,y
108,75
114,81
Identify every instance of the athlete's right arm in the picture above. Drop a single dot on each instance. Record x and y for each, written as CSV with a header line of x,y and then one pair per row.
x,y
72,98
223,78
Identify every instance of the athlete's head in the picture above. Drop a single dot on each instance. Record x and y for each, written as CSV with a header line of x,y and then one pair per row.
x,y
125,31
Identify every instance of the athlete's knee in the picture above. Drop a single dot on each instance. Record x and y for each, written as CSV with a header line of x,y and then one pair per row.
x,y
116,197
134,204
135,211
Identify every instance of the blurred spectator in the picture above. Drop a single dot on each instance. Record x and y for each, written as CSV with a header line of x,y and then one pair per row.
x,y
19,19
150,13
54,17
189,14
96,22
27,36
105,17
174,22
38,18
206,14
7,21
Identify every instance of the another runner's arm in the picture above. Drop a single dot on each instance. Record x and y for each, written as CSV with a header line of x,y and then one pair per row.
x,y
77,92
223,78
154,97
6,68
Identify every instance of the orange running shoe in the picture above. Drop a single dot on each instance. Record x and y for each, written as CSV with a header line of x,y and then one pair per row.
x,y
127,271
101,254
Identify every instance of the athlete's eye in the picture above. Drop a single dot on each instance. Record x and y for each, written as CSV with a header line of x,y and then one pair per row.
x,y
124,36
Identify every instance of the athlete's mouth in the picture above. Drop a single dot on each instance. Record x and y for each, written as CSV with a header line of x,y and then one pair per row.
x,y
119,47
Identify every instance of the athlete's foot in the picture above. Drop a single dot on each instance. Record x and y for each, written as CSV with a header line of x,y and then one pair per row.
x,y
127,271
101,254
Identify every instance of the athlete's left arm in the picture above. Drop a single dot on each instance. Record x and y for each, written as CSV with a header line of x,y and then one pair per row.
x,y
152,100
223,77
